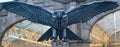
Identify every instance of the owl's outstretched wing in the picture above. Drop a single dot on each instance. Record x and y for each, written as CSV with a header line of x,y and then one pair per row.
x,y
30,12
84,13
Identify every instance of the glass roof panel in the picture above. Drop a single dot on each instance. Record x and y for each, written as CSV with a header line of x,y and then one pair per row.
x,y
107,23
23,24
32,26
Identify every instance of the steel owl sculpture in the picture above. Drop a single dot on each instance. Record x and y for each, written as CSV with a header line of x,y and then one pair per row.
x,y
59,20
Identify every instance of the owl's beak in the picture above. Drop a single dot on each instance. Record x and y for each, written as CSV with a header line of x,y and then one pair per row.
x,y
53,16
65,16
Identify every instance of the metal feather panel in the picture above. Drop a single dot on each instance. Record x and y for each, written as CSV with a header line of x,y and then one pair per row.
x,y
30,12
84,13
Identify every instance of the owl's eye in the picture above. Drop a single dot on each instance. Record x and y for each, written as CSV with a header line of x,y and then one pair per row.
x,y
63,13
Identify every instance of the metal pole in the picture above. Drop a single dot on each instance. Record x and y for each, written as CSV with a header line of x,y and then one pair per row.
x,y
115,28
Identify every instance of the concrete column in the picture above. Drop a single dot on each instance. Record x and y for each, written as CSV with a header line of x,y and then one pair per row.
x,y
85,34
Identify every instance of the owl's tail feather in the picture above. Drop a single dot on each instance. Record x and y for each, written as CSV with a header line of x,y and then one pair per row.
x,y
59,34
46,36
71,36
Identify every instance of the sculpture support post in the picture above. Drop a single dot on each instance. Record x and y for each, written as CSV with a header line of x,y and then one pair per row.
x,y
54,44
59,44
70,44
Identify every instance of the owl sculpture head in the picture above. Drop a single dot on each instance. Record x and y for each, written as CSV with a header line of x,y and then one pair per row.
x,y
59,14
